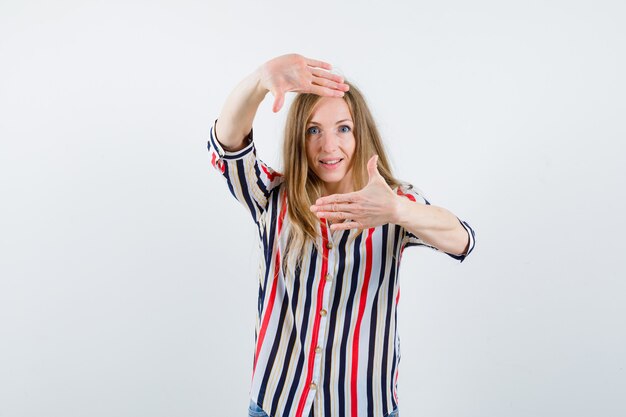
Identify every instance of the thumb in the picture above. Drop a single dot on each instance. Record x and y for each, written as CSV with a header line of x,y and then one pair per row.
x,y
279,99
372,168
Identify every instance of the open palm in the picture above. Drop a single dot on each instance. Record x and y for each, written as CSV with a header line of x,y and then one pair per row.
x,y
296,73
372,206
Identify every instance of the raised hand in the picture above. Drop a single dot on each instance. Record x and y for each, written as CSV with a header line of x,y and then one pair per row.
x,y
376,204
296,73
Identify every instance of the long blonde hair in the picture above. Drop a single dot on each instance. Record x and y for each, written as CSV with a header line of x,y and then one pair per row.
x,y
301,184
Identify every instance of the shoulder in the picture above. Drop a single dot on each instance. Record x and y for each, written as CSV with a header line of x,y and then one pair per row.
x,y
411,192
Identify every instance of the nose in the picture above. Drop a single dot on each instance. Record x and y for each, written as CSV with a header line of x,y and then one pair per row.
x,y
329,142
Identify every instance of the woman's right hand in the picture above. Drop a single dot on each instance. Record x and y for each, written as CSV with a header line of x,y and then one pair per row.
x,y
296,73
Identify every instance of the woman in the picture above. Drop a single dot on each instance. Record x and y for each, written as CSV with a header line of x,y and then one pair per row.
x,y
332,227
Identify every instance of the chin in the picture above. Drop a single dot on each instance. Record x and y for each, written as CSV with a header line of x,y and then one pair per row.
x,y
330,179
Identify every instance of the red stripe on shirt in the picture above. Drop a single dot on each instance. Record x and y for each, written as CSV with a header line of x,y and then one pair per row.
x,y
316,325
357,330
270,303
218,163
395,384
409,196
269,174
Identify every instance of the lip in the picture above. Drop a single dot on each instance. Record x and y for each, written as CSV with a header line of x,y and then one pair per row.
x,y
331,159
330,167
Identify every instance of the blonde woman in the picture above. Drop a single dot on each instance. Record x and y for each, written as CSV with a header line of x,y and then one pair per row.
x,y
332,227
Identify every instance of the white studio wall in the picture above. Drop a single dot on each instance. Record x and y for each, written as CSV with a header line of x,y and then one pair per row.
x,y
128,271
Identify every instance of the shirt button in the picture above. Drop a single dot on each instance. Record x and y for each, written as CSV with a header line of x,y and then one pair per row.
x,y
313,386
322,312
329,245
318,349
329,277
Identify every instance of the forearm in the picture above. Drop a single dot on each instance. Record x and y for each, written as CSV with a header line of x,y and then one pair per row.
x,y
237,115
434,225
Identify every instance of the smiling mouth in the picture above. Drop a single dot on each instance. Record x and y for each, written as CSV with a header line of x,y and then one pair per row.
x,y
331,161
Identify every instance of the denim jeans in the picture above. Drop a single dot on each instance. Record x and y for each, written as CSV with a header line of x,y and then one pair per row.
x,y
255,411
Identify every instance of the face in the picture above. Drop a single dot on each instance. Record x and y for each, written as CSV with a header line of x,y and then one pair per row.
x,y
330,144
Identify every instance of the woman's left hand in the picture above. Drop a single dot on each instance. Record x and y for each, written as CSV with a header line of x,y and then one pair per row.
x,y
374,205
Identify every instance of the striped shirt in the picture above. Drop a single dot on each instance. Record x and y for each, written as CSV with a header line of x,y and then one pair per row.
x,y
326,338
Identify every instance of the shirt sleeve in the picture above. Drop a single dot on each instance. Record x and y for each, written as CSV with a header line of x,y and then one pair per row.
x,y
409,239
249,179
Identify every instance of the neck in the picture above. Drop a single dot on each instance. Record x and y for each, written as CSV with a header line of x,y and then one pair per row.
x,y
345,185
337,188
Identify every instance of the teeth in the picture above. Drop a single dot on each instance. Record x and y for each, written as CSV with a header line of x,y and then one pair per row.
x,y
331,162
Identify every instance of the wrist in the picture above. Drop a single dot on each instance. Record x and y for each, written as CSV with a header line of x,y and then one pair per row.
x,y
399,210
259,78
409,213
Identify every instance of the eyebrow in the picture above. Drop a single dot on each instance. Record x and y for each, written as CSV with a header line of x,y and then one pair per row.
x,y
312,122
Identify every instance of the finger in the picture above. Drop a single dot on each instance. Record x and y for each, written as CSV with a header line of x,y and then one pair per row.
x,y
331,215
334,215
372,167
279,100
317,63
346,226
338,198
324,91
335,207
332,84
318,73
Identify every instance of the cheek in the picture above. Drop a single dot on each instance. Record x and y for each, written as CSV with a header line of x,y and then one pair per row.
x,y
309,156
351,147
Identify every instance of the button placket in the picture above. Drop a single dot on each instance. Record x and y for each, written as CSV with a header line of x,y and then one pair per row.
x,y
321,339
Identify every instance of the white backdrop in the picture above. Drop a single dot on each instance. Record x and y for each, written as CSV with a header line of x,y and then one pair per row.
x,y
128,272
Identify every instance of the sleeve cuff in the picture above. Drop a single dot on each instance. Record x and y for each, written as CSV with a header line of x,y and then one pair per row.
x,y
225,154
470,234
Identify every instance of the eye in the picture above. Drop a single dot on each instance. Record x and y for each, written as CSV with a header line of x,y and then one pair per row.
x,y
345,129
313,130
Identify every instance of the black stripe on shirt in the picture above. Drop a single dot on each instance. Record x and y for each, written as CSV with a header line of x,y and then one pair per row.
x,y
346,326
244,189
373,322
290,344
390,303
268,252
272,356
332,320
305,321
